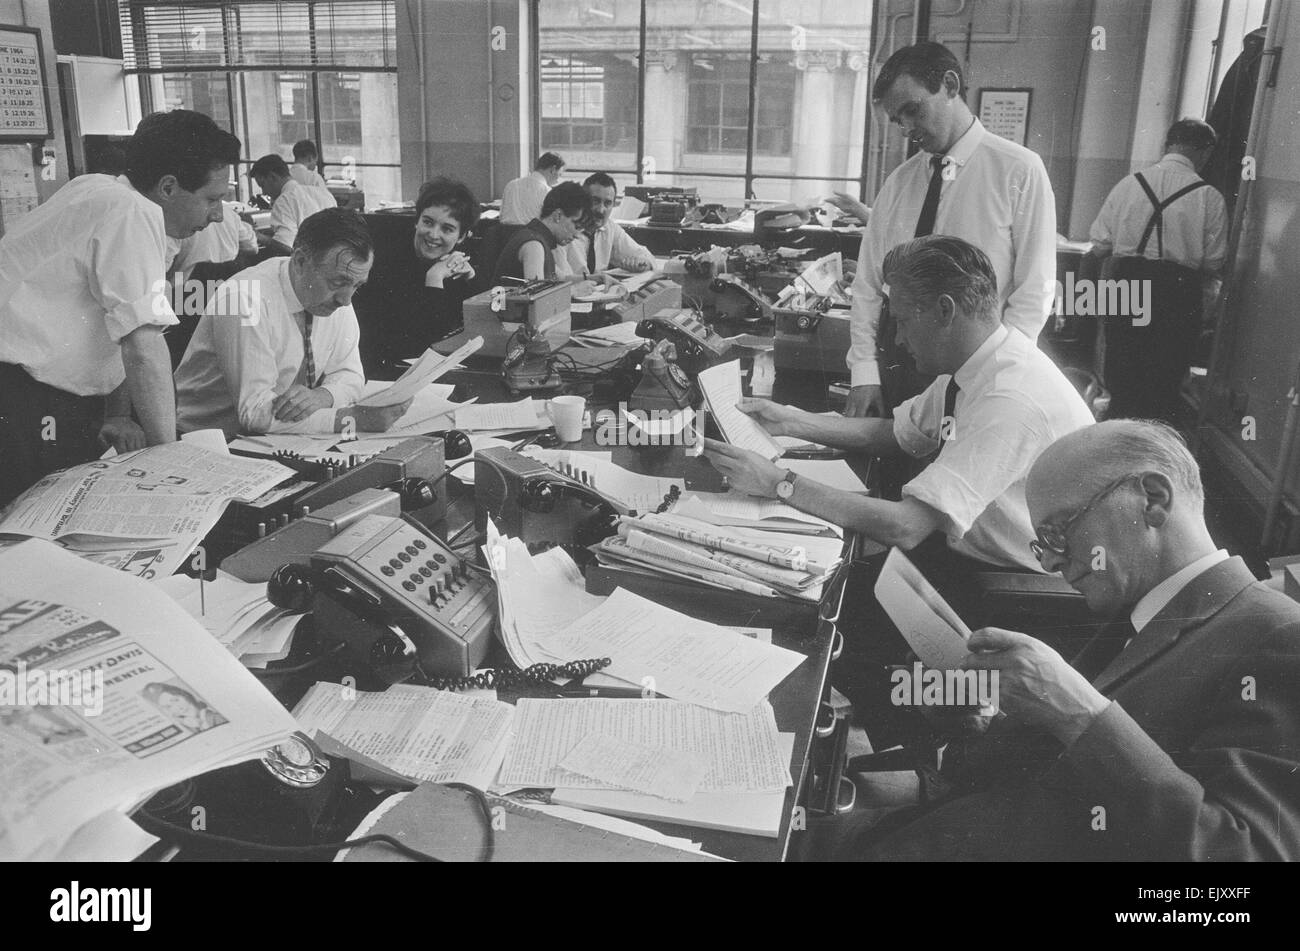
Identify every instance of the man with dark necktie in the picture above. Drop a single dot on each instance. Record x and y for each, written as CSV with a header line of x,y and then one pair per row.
x,y
277,349
963,181
1175,740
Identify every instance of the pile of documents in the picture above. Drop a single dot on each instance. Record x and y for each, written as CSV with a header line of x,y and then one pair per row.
x,y
738,510
238,615
765,563
143,512
109,692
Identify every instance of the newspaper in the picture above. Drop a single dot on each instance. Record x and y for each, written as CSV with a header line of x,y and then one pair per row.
x,y
108,692
143,512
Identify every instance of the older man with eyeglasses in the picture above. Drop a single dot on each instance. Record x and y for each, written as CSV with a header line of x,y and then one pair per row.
x,y
1174,735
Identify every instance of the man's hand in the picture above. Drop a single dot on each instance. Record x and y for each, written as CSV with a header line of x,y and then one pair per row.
x,y
1035,683
747,471
776,418
298,402
850,206
370,419
865,401
121,433
637,265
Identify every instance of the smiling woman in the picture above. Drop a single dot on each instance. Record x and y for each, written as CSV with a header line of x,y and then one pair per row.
x,y
417,290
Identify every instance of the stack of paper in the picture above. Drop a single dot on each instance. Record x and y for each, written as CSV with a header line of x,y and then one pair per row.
x,y
424,371
746,511
720,386
238,615
762,563
143,512
502,417
422,734
644,749
153,700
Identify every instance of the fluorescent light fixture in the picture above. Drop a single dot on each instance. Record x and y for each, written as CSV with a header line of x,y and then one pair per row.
x,y
698,39
596,11
737,6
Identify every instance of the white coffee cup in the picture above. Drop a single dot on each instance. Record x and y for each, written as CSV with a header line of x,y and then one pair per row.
x,y
566,413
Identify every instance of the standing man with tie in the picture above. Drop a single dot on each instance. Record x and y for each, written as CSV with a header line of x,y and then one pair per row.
x,y
997,403
277,349
963,181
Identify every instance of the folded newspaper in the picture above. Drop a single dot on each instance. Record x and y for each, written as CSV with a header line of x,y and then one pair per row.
x,y
143,512
109,692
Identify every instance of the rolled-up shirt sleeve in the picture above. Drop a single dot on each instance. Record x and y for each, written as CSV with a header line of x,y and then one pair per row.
x,y
981,458
126,275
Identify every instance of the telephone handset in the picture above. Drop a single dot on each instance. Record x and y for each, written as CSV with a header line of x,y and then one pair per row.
x,y
394,599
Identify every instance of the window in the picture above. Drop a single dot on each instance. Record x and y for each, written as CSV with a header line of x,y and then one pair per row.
x,y
659,90
719,108
277,71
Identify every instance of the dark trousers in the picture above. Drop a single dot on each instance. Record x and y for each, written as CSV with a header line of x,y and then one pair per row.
x,y
42,429
1145,365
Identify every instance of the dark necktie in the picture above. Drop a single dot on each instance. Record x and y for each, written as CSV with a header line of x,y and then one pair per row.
x,y
929,210
308,358
591,254
947,425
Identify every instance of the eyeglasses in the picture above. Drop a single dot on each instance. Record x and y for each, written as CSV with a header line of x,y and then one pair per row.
x,y
1052,537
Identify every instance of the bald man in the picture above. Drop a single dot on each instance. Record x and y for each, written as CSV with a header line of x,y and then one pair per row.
x,y
1175,735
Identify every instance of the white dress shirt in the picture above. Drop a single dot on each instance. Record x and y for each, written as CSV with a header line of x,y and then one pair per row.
x,y
306,176
1195,226
1154,601
248,349
999,199
295,203
1013,404
614,248
521,200
218,242
77,274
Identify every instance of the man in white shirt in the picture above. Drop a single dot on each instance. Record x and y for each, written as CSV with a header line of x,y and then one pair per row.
x,y
291,201
963,181
305,159
997,404
521,200
1170,738
83,364
1167,225
603,244
277,350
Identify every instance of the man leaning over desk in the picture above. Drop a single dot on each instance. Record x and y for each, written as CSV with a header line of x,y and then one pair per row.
x,y
602,244
277,349
1174,735
999,402
83,364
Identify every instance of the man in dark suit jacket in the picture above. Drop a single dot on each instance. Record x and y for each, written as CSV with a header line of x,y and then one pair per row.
x,y
1174,737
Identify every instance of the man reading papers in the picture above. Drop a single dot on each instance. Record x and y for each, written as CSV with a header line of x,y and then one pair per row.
x,y
1175,736
998,403
277,349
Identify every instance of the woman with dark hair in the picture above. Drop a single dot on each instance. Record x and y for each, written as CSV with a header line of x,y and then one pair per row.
x,y
415,294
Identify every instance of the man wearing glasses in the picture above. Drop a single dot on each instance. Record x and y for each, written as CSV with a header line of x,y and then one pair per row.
x,y
1175,734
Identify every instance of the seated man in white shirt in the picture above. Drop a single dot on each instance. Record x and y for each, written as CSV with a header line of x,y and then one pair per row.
x,y
277,350
305,160
291,202
998,402
602,244
521,199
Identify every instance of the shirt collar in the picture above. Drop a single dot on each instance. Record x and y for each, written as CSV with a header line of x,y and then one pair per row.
x,y
1154,601
291,302
969,370
1177,158
965,146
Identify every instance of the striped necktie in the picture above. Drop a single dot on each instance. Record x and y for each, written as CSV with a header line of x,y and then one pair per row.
x,y
308,358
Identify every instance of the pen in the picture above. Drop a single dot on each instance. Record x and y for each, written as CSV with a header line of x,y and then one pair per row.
x,y
625,693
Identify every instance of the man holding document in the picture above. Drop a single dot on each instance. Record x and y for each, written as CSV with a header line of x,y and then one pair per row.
x,y
1175,736
277,349
997,404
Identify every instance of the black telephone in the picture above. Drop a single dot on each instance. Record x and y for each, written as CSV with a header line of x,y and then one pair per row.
x,y
664,385
698,347
394,600
736,300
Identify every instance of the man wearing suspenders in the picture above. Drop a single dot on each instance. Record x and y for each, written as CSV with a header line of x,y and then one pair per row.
x,y
1167,226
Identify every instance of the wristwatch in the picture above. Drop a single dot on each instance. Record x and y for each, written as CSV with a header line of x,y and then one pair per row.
x,y
785,488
